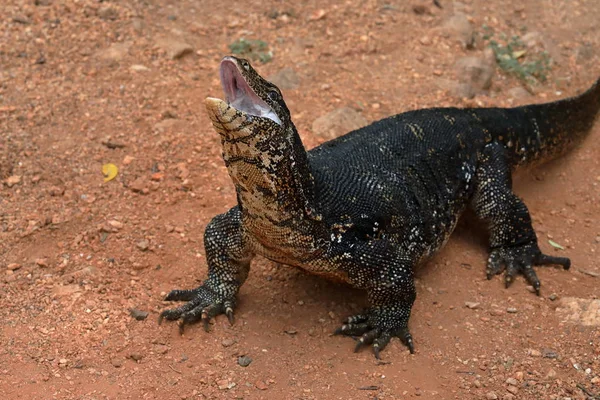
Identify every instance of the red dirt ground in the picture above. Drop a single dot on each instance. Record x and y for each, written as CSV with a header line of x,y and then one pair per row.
x,y
86,251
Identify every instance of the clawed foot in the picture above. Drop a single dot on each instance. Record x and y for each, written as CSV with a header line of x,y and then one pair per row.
x,y
521,259
202,304
368,331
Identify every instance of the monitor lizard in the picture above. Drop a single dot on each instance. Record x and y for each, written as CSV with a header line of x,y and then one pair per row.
x,y
368,207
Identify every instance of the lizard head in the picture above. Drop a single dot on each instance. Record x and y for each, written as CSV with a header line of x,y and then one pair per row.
x,y
251,105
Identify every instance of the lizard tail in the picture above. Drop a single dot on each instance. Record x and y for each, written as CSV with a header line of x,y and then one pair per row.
x,y
554,128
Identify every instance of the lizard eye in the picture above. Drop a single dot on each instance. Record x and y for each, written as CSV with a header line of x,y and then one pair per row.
x,y
273,95
246,65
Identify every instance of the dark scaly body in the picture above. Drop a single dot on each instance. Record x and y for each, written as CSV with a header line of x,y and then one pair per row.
x,y
369,206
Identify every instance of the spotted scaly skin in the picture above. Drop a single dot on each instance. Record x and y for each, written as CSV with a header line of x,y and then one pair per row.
x,y
368,207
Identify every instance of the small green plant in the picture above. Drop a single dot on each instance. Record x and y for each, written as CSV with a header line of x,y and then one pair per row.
x,y
252,49
513,57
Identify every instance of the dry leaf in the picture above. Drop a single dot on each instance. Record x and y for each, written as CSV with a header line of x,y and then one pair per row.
x,y
109,171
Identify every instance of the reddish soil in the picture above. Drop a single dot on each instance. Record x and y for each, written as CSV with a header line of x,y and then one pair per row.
x,y
87,251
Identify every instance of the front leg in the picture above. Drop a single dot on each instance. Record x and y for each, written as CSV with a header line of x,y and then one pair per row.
x,y
513,241
228,267
388,278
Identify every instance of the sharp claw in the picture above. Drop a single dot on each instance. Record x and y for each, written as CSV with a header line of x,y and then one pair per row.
x,y
507,281
229,313
181,327
376,351
411,346
360,342
205,321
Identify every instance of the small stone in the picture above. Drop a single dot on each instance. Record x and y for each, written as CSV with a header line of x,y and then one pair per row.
x,y
338,122
143,245
244,361
128,160
425,40
260,385
580,311
117,362
115,224
534,353
286,79
13,266
549,353
174,48
137,314
115,53
491,396
224,384
227,342
138,186
518,93
475,71
12,180
42,262
511,310
551,374
136,356
512,381
421,9
553,297
595,380
139,68
472,305
162,349
108,13
512,389
460,28
21,19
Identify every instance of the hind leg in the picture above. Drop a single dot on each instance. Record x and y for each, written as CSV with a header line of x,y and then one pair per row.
x,y
513,243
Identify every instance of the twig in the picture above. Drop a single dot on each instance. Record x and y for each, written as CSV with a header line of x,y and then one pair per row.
x,y
179,372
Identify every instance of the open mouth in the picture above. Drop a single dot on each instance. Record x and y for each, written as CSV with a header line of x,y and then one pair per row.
x,y
240,96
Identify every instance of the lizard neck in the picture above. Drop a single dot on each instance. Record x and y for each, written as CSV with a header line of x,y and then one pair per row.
x,y
271,176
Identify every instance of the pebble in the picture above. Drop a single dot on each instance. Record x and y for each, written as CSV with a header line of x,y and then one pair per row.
x,y
513,389
224,384
13,266
42,262
12,180
115,224
551,374
260,385
511,310
553,297
580,311
472,305
338,122
136,356
512,381
534,353
138,185
244,361
143,245
174,48
286,79
117,362
137,314
460,28
475,71
116,52
491,396
227,342
425,40
108,13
